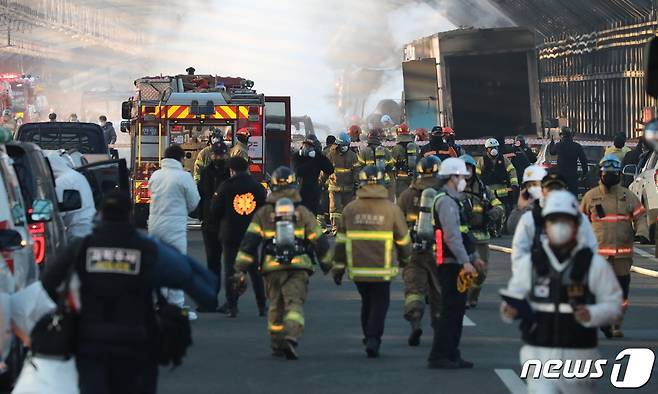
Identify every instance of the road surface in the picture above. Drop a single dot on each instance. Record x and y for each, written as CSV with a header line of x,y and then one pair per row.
x,y
233,355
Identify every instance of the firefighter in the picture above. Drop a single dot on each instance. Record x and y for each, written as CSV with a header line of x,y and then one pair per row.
x,y
405,153
458,263
287,237
372,239
617,218
420,276
341,182
241,146
499,174
442,143
484,208
376,154
421,135
203,158
618,147
572,291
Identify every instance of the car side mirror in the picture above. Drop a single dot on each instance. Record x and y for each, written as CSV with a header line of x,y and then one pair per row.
x,y
11,240
125,126
629,170
42,211
70,201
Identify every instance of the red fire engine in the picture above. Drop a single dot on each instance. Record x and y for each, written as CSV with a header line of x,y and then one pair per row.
x,y
17,95
185,109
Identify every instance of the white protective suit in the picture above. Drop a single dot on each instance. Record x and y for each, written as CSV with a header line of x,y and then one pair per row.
x,y
525,233
174,195
79,223
603,285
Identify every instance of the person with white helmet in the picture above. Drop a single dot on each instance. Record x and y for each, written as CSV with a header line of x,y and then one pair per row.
x,y
571,291
498,172
530,192
528,231
457,260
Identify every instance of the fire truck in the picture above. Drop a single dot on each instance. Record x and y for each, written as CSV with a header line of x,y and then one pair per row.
x,y
185,110
17,96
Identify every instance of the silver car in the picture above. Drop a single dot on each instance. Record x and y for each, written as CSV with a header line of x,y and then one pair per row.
x,y
645,187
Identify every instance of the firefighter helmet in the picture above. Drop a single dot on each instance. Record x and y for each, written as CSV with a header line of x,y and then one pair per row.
x,y
403,129
354,132
343,139
421,134
448,131
437,130
428,166
244,131
610,163
375,135
283,178
469,160
453,166
491,143
561,202
386,119
371,175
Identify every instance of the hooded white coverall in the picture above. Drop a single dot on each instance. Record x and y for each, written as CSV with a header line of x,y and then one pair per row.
x,y
174,195
79,223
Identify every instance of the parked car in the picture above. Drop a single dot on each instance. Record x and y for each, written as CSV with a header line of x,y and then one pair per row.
x,y
645,187
85,138
37,183
594,154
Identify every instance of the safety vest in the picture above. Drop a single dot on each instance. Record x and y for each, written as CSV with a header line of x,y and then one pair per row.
x,y
552,297
374,268
442,251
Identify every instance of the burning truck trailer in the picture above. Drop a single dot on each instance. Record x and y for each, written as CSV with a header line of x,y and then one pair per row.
x,y
480,82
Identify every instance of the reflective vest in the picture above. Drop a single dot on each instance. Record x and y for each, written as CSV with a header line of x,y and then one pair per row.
x,y
498,173
552,295
442,250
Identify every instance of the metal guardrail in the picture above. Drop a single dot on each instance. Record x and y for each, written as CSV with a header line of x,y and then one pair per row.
x,y
636,269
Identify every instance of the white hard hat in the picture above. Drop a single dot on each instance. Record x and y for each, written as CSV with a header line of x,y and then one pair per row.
x,y
386,119
453,166
534,173
561,201
491,143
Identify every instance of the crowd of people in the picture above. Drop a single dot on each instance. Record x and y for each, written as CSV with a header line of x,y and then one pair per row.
x,y
428,212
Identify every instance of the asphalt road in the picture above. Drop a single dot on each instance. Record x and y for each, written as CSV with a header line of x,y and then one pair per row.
x,y
233,355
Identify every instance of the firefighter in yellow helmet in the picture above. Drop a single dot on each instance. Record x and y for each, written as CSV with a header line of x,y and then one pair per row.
x,y
498,172
372,239
618,218
483,208
341,183
420,276
376,154
287,237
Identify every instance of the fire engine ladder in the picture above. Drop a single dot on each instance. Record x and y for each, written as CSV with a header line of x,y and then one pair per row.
x,y
149,139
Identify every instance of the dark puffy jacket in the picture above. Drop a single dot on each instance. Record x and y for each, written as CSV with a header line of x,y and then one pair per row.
x,y
234,204
308,171
211,179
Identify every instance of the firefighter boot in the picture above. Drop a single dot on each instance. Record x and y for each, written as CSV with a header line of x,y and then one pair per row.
x,y
416,332
289,349
372,347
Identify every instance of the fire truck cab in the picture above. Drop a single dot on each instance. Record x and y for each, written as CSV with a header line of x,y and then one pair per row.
x,y
185,110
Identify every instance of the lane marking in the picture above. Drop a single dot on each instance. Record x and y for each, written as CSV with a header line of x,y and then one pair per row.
x,y
468,322
512,381
636,269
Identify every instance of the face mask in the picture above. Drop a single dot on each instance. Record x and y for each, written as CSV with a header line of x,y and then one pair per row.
x,y
311,154
610,180
494,152
535,192
450,140
461,184
103,124
517,144
559,233
344,148
436,140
